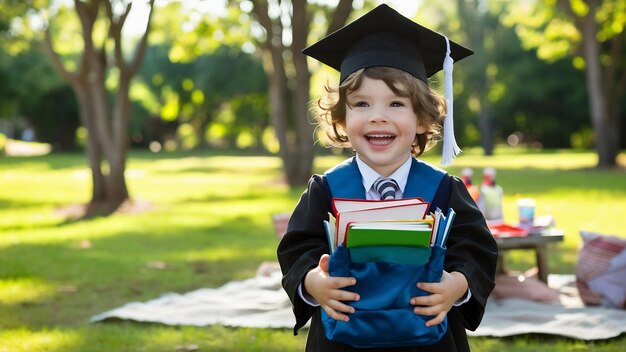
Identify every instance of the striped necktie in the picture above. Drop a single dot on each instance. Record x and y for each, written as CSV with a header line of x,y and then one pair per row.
x,y
386,188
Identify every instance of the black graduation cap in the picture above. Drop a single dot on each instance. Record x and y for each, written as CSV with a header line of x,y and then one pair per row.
x,y
383,37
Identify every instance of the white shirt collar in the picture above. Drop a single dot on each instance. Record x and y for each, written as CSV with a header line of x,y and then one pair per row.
x,y
369,176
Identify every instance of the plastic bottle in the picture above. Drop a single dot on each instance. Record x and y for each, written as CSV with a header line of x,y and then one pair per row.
x,y
466,176
490,201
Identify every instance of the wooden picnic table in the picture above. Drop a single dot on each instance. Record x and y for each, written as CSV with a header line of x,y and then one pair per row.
x,y
537,241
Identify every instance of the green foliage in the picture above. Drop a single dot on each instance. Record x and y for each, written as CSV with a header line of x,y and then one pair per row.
x,y
542,27
8,92
3,143
31,90
16,32
508,85
196,92
191,33
55,118
555,29
195,71
192,229
612,19
550,97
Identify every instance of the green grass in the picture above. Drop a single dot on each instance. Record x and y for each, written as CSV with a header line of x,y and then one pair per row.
x,y
209,223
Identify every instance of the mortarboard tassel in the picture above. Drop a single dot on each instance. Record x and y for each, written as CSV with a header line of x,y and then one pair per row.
x,y
450,148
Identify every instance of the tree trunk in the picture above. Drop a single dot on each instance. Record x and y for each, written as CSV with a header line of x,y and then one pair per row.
x,y
291,98
604,121
94,154
107,126
119,148
277,84
477,29
484,125
303,123
605,133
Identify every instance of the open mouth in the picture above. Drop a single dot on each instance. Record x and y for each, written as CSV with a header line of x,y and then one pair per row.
x,y
380,138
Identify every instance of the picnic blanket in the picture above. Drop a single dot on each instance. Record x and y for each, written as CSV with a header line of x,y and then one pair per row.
x,y
260,302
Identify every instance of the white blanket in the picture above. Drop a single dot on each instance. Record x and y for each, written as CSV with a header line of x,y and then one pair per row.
x,y
569,318
260,302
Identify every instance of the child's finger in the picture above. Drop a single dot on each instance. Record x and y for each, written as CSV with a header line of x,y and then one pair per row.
x,y
428,310
334,314
323,263
341,282
437,319
432,287
342,295
426,301
335,310
341,307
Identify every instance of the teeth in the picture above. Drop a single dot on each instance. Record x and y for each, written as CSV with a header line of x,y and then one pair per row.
x,y
380,138
379,135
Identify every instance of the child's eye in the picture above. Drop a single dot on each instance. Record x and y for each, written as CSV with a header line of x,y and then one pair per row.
x,y
360,104
397,104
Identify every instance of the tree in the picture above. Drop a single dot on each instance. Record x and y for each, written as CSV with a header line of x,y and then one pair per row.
x,y
289,77
194,75
593,32
513,93
106,124
478,24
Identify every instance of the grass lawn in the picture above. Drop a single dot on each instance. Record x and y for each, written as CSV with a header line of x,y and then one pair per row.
x,y
207,223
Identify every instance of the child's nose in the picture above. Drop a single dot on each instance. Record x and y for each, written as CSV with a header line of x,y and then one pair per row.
x,y
379,116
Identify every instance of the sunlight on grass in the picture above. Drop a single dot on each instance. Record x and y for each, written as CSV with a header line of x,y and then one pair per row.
x,y
24,340
23,290
517,158
208,221
52,232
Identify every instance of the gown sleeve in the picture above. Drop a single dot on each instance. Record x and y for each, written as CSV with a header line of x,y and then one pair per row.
x,y
471,251
303,244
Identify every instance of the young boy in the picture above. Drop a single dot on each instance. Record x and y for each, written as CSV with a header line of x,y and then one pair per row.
x,y
384,109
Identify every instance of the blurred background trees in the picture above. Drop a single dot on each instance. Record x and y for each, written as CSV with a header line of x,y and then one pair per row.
x,y
591,34
229,74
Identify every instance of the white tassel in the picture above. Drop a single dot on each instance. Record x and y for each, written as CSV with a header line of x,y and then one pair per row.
x,y
450,148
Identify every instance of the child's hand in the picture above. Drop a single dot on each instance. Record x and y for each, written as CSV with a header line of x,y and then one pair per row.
x,y
327,290
443,295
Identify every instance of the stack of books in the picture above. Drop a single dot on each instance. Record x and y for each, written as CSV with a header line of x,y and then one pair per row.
x,y
398,231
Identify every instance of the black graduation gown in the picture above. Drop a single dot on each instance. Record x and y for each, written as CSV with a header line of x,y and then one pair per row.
x,y
471,250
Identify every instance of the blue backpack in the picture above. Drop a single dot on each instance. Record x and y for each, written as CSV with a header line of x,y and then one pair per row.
x,y
383,316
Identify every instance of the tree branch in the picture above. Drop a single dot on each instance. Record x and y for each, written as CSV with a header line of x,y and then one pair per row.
x,y
87,16
68,76
340,16
142,45
261,10
115,33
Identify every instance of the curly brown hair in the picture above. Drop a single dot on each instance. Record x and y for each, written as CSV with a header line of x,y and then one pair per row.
x,y
428,105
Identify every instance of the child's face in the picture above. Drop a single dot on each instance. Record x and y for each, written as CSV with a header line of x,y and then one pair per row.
x,y
381,126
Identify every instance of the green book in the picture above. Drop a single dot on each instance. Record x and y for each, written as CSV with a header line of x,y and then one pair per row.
x,y
390,254
411,234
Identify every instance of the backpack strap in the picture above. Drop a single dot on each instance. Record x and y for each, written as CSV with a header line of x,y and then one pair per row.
x,y
344,179
443,194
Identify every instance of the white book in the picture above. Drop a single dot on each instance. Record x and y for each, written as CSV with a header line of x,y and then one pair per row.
x,y
341,205
412,212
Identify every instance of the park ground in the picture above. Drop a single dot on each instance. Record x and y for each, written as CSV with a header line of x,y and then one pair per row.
x,y
205,219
